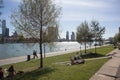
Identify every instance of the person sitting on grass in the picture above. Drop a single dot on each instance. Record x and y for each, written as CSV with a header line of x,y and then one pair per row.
x,y
11,72
1,74
77,60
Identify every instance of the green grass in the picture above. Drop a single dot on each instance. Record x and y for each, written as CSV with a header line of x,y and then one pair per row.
x,y
64,72
102,50
53,71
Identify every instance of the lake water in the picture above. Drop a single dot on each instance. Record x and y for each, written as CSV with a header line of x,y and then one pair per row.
x,y
21,49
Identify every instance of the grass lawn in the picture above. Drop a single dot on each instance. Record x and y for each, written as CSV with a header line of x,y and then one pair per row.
x,y
53,71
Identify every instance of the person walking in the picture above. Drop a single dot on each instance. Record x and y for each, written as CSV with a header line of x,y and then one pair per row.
x,y
34,54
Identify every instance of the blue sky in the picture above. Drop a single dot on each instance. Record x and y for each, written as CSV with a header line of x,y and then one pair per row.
x,y
76,11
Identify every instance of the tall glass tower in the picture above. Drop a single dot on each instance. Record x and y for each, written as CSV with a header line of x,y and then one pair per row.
x,y
3,27
67,36
73,36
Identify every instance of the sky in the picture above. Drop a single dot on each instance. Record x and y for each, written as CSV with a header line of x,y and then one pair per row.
x,y
74,12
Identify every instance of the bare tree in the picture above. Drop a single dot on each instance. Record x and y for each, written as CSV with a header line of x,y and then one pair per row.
x,y
83,34
98,31
34,17
90,38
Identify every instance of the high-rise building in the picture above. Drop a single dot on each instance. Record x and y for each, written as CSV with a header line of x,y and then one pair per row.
x,y
119,29
3,27
5,30
73,36
67,36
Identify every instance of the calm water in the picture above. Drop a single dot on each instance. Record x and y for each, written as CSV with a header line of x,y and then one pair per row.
x,y
21,49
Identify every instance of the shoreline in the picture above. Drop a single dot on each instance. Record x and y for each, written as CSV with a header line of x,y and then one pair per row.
x,y
50,54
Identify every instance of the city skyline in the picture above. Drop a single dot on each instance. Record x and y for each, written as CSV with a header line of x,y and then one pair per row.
x,y
70,36
75,11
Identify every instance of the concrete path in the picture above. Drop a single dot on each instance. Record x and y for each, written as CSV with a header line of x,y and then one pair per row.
x,y
111,69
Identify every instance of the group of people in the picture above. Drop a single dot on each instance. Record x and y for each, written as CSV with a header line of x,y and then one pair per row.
x,y
11,73
77,59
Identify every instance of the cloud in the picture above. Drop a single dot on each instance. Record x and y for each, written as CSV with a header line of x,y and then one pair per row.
x,y
79,10
16,1
75,17
87,3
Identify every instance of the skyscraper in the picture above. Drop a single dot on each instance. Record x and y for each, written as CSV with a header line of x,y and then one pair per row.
x,y
119,29
67,36
5,30
73,36
3,27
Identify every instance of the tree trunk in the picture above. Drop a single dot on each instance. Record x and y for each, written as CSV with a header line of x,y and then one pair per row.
x,y
41,56
80,51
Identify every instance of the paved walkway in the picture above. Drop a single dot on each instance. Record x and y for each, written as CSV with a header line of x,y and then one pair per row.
x,y
111,69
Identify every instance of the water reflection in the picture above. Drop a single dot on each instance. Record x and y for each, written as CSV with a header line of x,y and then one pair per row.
x,y
21,49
